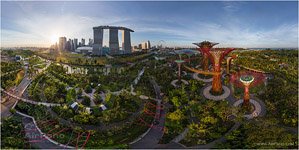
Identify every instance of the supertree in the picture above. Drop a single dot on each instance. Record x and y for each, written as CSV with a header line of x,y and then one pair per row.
x,y
228,63
247,79
216,56
179,63
203,47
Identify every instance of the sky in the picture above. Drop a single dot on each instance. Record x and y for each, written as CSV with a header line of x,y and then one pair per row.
x,y
232,24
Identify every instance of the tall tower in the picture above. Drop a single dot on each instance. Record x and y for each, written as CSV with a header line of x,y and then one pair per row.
x,y
68,45
62,43
148,45
98,41
90,41
75,44
126,41
72,45
113,41
83,42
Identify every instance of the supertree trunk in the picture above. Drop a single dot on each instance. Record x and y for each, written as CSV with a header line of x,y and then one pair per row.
x,y
229,60
179,73
246,95
205,62
216,84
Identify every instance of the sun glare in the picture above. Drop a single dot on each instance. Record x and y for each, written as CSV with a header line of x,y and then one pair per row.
x,y
54,39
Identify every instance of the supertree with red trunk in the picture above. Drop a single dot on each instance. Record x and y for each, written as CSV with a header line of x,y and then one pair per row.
x,y
216,56
246,80
228,63
203,48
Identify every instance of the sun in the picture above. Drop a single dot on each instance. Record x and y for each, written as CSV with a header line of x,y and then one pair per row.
x,y
54,38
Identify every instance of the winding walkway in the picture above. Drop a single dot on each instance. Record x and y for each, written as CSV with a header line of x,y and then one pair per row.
x,y
36,137
152,137
30,101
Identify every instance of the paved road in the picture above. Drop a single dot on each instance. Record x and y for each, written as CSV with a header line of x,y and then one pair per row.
x,y
35,137
17,95
91,97
10,101
152,138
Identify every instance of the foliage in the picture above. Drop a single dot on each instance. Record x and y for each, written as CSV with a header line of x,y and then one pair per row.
x,y
263,133
88,89
71,95
12,136
86,101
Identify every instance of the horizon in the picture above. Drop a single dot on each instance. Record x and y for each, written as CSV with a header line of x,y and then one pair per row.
x,y
179,24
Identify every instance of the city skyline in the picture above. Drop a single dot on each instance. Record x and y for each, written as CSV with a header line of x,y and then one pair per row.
x,y
247,24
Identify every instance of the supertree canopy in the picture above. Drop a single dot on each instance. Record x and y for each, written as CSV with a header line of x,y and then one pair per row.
x,y
179,62
216,56
247,79
203,47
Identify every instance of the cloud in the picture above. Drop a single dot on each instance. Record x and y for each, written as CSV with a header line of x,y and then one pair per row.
x,y
41,27
229,31
231,6
228,35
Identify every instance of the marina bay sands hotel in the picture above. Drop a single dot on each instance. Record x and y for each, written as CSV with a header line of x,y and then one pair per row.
x,y
97,48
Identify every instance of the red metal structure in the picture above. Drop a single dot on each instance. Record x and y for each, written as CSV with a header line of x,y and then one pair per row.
x,y
216,56
247,79
203,47
228,63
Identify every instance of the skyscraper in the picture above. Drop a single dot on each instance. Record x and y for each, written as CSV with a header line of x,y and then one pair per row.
x,y
72,45
82,42
75,44
62,43
146,45
68,45
113,41
97,41
90,42
126,41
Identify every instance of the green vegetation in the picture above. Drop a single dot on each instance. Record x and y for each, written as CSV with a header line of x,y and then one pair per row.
x,y
120,107
12,133
10,66
260,134
11,74
13,53
185,107
281,93
210,122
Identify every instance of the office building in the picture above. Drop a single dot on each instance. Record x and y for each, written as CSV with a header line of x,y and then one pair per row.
x,y
62,43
